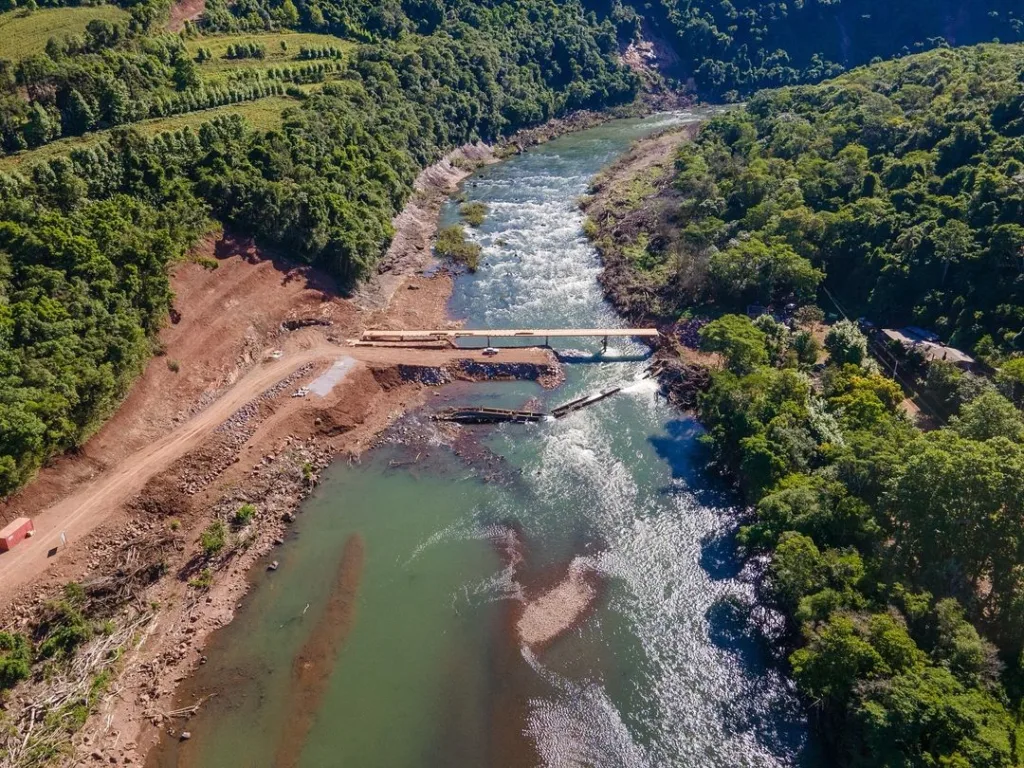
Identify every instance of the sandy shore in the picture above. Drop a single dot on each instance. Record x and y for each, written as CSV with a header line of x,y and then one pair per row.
x,y
559,609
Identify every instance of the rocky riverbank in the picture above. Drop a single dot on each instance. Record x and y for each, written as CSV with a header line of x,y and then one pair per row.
x,y
630,215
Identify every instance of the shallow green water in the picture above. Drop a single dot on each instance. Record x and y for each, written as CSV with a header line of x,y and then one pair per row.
x,y
665,672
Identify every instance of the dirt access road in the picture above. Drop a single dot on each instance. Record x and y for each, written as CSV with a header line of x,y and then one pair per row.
x,y
89,507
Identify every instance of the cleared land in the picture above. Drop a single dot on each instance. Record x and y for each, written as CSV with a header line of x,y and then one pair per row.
x,y
264,114
23,34
79,514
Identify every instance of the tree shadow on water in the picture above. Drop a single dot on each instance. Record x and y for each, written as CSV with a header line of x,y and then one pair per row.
x,y
720,556
688,458
765,702
762,702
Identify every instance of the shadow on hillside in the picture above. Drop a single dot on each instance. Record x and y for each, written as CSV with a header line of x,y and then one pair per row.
x,y
230,245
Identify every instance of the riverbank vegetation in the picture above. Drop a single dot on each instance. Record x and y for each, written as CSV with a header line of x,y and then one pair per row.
x,y
897,187
86,237
452,244
893,552
473,213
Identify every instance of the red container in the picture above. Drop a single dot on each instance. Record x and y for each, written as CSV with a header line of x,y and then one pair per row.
x,y
13,534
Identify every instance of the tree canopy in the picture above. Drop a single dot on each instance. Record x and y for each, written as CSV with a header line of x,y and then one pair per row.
x,y
730,48
895,553
898,188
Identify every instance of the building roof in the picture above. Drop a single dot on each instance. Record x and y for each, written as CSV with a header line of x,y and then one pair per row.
x,y
920,334
911,337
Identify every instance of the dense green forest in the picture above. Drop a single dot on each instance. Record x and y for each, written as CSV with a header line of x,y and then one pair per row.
x,y
85,239
895,553
729,48
900,187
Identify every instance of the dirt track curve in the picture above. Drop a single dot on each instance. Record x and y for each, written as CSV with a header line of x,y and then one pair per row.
x,y
78,514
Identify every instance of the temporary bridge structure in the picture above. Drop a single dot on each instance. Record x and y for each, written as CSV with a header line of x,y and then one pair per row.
x,y
508,333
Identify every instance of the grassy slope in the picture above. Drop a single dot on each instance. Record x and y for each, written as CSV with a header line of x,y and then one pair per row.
x,y
264,114
218,46
23,34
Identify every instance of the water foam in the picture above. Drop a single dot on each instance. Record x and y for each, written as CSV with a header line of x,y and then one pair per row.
x,y
683,698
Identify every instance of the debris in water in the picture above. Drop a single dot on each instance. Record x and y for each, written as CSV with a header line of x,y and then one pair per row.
x,y
272,566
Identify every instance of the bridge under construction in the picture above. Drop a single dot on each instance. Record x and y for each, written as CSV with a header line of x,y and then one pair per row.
x,y
487,334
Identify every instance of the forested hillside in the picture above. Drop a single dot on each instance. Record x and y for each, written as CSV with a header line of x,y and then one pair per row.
x,y
899,186
895,553
729,48
86,235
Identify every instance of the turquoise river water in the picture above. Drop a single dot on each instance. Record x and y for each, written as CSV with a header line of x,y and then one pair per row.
x,y
393,560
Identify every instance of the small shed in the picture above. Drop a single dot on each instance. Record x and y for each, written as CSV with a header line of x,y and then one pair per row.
x,y
926,343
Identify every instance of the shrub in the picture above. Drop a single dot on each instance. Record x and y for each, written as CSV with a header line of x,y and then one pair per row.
x,y
245,514
452,244
213,539
738,340
806,347
15,659
64,628
173,366
473,213
846,344
204,580
809,314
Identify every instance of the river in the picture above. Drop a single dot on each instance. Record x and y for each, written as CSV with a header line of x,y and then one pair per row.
x,y
383,640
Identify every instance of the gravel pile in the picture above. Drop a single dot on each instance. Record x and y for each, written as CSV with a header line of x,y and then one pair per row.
x,y
431,377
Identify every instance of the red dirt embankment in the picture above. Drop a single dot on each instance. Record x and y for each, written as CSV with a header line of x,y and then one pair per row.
x,y
189,444
184,10
224,318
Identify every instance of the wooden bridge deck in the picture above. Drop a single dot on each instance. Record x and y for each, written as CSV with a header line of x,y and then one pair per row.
x,y
507,333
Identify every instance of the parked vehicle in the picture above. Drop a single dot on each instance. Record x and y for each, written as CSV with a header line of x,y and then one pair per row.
x,y
16,532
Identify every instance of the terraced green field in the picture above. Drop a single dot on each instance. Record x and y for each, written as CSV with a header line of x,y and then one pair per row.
x,y
218,46
23,34
264,114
